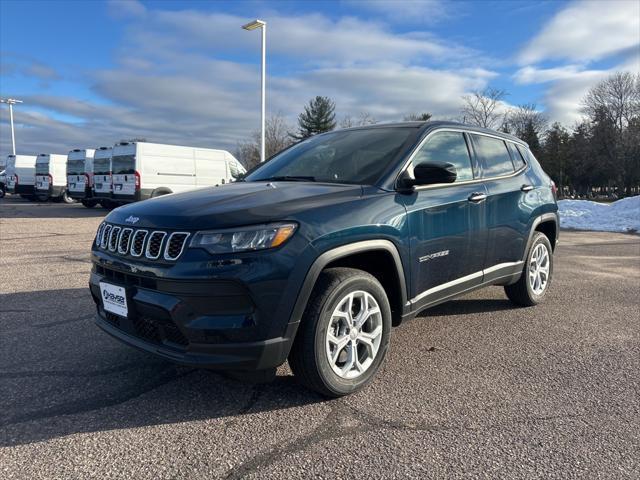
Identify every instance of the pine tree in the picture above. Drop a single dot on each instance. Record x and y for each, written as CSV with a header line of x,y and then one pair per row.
x,y
318,117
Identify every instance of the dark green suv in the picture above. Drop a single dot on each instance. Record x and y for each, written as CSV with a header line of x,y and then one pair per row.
x,y
318,252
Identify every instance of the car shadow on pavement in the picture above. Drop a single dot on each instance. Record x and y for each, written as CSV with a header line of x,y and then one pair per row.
x,y
61,375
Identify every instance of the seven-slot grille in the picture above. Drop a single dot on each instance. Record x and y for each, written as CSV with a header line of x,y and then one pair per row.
x,y
151,244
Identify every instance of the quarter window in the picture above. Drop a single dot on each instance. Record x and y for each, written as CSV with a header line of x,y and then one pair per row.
x,y
518,161
449,147
494,155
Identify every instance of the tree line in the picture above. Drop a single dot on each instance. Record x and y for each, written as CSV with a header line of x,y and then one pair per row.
x,y
598,155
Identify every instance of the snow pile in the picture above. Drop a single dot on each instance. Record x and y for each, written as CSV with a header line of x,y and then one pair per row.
x,y
620,216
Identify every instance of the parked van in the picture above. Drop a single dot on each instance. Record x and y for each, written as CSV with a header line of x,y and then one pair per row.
x,y
3,177
80,176
102,187
51,178
143,170
21,175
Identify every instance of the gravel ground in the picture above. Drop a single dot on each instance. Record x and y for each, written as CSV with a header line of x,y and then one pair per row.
x,y
472,388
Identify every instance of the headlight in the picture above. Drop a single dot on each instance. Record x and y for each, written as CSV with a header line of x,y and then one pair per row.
x,y
243,239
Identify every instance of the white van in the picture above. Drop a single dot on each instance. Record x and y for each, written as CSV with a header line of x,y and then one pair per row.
x,y
102,175
51,178
21,175
3,176
143,170
80,176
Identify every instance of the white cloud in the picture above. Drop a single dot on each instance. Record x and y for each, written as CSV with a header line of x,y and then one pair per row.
x,y
406,11
587,31
126,8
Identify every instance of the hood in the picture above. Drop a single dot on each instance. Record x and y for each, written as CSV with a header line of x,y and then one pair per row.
x,y
232,205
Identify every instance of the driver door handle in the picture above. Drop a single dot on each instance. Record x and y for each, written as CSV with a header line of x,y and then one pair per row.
x,y
477,197
526,188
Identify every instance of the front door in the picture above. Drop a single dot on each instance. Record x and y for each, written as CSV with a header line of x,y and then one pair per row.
x,y
447,224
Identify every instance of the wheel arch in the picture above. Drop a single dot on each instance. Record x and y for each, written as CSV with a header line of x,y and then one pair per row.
x,y
387,269
160,191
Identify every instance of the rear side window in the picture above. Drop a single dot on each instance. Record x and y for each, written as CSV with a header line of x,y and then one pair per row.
x,y
494,155
449,147
518,161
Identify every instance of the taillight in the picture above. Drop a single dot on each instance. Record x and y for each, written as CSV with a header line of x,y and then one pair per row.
x,y
137,177
50,179
86,175
15,175
554,189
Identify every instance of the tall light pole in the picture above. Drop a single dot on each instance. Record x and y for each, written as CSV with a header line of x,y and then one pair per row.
x,y
11,102
252,26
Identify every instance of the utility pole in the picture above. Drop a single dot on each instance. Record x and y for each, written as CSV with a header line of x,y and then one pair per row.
x,y
252,26
11,102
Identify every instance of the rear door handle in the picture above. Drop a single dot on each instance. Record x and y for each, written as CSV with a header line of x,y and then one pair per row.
x,y
477,197
526,188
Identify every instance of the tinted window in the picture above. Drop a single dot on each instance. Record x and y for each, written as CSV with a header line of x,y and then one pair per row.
x,y
123,164
75,167
42,168
101,166
494,154
449,147
518,161
348,156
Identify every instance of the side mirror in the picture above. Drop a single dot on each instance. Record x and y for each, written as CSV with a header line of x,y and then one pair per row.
x,y
428,173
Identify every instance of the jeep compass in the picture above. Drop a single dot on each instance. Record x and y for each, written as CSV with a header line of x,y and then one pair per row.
x,y
318,252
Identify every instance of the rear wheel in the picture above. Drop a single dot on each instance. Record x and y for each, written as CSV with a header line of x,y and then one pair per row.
x,y
65,198
534,282
344,334
89,203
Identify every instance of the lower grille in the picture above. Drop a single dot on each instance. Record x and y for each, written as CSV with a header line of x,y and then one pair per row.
x,y
112,319
157,332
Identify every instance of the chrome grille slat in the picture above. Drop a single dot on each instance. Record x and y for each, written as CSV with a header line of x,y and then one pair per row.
x,y
137,244
113,238
105,236
175,245
154,245
125,240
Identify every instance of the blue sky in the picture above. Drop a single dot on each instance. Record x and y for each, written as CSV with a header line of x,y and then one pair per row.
x,y
92,73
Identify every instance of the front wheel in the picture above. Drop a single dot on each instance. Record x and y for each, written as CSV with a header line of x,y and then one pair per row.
x,y
534,282
344,334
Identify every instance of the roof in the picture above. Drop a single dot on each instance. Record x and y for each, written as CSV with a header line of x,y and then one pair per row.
x,y
429,125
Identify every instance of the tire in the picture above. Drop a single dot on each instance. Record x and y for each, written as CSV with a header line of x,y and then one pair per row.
x,y
42,198
524,291
65,198
2,192
89,203
309,358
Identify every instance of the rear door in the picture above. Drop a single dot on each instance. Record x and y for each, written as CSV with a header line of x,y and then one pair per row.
x,y
507,213
447,223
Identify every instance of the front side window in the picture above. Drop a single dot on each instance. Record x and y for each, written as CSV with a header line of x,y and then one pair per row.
x,y
494,155
349,156
449,147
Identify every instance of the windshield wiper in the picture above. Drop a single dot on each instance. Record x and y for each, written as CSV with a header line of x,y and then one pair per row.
x,y
289,178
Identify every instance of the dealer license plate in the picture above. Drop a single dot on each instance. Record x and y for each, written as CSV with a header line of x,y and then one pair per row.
x,y
114,299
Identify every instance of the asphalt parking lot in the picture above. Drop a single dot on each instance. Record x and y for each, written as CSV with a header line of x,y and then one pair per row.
x,y
472,388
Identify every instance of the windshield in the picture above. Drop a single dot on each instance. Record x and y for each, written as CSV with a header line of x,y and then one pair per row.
x,y
123,164
75,167
101,166
347,156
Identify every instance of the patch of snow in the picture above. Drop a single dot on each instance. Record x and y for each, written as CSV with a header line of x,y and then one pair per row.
x,y
620,216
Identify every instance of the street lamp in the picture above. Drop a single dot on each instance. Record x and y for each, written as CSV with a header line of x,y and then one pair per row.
x,y
252,26
11,102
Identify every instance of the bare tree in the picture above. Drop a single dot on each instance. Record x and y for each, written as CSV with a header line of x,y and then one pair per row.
x,y
365,118
277,137
481,107
525,118
423,117
618,97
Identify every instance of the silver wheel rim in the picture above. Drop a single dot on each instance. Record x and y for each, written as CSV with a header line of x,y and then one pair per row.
x,y
354,334
539,265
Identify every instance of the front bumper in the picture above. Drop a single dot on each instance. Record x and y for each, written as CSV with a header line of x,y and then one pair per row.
x,y
207,323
